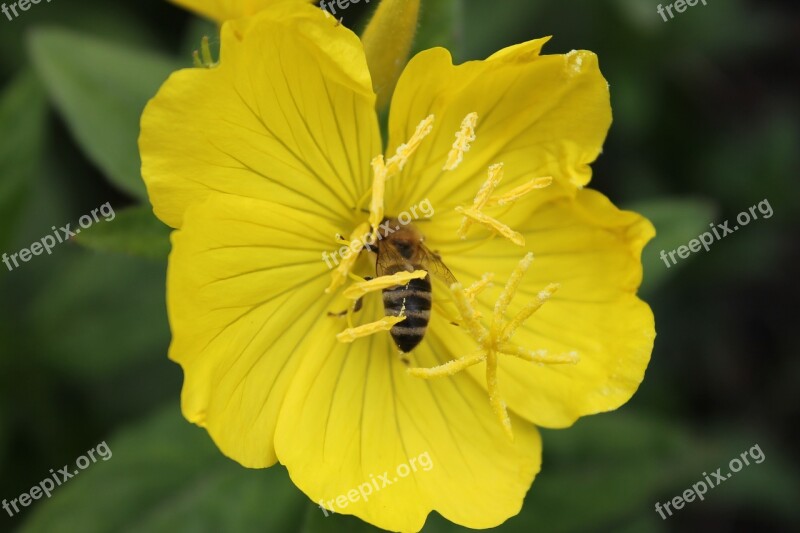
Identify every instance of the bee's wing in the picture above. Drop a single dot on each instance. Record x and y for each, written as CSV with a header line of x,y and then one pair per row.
x,y
433,264
388,256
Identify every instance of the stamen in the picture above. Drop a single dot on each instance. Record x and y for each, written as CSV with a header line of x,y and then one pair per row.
x,y
539,356
495,400
494,340
486,190
485,199
467,312
396,163
378,191
478,287
357,290
511,287
449,368
342,272
518,192
384,324
463,137
529,309
470,214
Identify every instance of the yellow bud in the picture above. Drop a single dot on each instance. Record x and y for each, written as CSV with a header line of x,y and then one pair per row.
x,y
387,42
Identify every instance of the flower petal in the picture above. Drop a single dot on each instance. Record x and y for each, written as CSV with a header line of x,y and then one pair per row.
x,y
245,290
541,115
593,251
288,116
354,414
222,10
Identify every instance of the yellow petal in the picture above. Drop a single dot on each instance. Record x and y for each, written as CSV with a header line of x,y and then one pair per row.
x,y
288,116
540,115
593,251
354,415
245,296
222,10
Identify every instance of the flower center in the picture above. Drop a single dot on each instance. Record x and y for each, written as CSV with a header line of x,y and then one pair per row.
x,y
492,340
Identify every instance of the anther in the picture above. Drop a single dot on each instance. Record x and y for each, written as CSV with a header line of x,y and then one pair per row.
x,y
518,192
404,152
384,324
357,290
464,137
484,199
486,190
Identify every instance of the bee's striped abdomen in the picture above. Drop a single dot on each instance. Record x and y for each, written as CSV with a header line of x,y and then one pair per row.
x,y
414,301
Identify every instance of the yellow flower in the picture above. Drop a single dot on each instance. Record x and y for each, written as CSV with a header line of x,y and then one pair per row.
x,y
222,10
260,162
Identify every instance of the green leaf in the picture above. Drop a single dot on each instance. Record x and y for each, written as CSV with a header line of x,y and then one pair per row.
x,y
134,231
120,21
101,88
22,113
165,475
109,310
677,221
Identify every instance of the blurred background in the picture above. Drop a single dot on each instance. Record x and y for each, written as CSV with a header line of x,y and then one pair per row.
x,y
706,124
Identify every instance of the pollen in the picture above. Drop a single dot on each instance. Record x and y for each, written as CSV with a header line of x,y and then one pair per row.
x,y
484,199
574,62
495,339
464,137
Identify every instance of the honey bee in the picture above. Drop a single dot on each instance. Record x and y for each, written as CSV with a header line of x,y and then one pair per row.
x,y
399,247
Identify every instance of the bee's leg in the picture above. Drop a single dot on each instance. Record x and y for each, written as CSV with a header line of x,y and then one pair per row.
x,y
359,279
404,359
355,308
